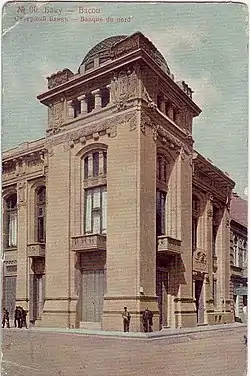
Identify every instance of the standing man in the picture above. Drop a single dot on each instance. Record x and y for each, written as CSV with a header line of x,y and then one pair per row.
x,y
126,319
6,318
24,320
147,319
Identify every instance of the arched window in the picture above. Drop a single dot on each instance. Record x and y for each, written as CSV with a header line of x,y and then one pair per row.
x,y
11,219
40,214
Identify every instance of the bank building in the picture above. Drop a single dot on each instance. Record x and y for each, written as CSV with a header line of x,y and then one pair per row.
x,y
114,207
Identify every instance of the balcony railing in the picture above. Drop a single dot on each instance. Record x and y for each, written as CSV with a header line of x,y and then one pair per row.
x,y
237,271
169,245
36,250
91,242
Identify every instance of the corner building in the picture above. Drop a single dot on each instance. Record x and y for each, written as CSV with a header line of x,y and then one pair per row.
x,y
114,207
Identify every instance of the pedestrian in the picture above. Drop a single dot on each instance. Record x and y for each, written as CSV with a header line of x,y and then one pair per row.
x,y
126,319
23,318
147,319
6,318
18,317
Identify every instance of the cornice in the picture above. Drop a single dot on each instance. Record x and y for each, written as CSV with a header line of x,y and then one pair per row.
x,y
109,68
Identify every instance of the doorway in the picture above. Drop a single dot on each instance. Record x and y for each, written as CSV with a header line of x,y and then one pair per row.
x,y
199,301
161,292
93,286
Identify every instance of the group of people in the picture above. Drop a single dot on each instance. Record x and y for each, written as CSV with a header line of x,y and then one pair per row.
x,y
20,318
147,320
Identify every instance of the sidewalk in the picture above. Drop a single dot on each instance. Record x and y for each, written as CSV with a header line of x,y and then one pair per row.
x,y
164,333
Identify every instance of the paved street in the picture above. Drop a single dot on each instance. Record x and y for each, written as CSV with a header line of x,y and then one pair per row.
x,y
215,353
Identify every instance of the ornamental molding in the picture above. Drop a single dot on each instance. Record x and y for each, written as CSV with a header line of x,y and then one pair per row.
x,y
213,184
21,193
124,86
200,261
110,126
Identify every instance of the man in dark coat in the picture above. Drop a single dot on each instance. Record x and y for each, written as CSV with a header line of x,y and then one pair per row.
x,y
23,318
18,317
126,319
147,319
6,318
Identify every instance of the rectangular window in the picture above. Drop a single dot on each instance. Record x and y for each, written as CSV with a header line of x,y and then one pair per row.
x,y
86,168
194,233
95,219
12,229
105,162
95,164
160,212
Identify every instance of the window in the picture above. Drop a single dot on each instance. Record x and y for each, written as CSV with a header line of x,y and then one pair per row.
x,y
40,214
95,218
160,212
194,232
215,228
105,162
11,212
77,108
162,169
95,164
105,96
90,102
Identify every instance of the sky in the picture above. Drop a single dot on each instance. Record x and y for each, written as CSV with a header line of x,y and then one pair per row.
x,y
205,44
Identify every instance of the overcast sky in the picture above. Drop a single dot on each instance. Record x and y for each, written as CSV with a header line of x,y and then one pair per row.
x,y
204,44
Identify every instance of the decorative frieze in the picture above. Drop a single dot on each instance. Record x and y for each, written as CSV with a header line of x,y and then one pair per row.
x,y
107,125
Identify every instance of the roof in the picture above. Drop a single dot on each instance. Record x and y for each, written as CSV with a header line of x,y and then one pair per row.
x,y
104,45
239,209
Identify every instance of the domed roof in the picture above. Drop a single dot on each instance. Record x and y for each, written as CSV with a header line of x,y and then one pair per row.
x,y
103,46
102,49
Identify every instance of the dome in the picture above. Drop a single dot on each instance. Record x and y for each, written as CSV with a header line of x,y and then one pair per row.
x,y
102,48
102,51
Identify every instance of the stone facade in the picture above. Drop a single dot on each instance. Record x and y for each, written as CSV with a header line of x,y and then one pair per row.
x,y
114,207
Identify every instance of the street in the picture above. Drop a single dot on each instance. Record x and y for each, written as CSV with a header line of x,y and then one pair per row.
x,y
34,353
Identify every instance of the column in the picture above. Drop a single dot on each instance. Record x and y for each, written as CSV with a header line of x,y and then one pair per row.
x,y
84,106
98,99
22,294
71,110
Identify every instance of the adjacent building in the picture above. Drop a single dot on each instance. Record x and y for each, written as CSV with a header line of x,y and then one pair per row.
x,y
238,256
114,207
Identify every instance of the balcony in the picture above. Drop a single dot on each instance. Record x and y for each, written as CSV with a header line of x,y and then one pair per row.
x,y
168,245
91,242
36,250
236,271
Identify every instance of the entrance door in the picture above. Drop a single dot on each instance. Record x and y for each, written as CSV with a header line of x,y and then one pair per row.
x,y
161,292
92,295
199,298
10,294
